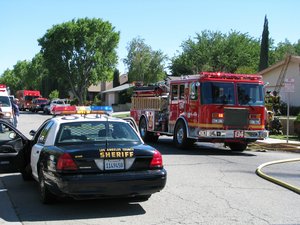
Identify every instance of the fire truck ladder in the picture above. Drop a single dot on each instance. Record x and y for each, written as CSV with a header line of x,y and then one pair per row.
x,y
282,74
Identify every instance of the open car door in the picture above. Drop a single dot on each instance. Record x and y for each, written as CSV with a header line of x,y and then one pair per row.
x,y
13,145
132,122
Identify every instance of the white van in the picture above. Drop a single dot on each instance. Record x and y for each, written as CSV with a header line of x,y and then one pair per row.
x,y
5,104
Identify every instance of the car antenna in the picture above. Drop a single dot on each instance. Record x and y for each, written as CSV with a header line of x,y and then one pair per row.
x,y
106,131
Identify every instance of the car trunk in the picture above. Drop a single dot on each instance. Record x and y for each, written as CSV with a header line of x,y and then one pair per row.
x,y
103,158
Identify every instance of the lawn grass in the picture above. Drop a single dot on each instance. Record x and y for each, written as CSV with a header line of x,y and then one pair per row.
x,y
283,137
121,115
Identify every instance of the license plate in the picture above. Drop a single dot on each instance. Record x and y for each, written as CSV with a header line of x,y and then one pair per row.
x,y
239,134
114,164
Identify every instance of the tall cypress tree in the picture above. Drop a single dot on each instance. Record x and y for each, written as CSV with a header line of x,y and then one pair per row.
x,y
116,80
264,47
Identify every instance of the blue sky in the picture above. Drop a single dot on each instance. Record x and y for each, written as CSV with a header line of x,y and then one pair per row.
x,y
163,24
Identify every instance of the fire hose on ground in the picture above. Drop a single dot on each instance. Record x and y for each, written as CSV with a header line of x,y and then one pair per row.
x,y
277,181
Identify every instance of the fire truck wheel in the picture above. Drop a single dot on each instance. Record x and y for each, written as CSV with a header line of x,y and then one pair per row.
x,y
180,136
145,134
237,146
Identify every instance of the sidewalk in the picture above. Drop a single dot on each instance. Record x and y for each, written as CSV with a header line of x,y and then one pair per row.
x,y
273,144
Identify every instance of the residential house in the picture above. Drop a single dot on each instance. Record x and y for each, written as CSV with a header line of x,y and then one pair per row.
x,y
109,95
289,68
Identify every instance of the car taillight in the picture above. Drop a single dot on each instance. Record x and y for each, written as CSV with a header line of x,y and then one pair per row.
x,y
156,161
66,162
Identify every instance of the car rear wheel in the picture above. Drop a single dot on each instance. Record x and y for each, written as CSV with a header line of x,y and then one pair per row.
x,y
141,198
26,173
46,196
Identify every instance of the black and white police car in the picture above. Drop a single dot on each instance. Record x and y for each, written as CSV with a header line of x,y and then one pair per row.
x,y
85,154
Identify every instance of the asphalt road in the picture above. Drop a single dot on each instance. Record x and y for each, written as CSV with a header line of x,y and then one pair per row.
x,y
206,185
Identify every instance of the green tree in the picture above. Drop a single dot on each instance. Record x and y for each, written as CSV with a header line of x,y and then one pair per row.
x,y
143,63
38,75
214,51
54,94
10,80
264,47
281,50
21,72
26,75
80,53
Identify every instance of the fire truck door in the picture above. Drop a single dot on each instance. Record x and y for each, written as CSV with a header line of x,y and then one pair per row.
x,y
192,108
182,99
177,104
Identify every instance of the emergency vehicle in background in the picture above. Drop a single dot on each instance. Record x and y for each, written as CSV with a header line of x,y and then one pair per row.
x,y
25,98
5,104
208,107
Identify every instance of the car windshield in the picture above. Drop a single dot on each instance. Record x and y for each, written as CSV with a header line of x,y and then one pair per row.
x,y
41,101
217,93
250,94
4,101
29,98
96,132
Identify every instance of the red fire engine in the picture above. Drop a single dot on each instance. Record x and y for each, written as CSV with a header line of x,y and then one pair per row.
x,y
25,98
209,107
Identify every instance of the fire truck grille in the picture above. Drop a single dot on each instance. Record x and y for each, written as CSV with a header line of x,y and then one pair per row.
x,y
236,118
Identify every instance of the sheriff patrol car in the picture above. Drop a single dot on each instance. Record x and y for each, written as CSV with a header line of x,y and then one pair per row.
x,y
85,154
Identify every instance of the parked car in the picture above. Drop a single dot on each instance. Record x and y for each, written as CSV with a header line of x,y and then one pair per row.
x,y
48,108
38,104
88,157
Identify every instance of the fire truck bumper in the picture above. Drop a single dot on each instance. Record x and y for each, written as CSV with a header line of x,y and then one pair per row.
x,y
234,134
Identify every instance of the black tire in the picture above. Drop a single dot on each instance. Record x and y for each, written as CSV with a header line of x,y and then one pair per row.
x,y
145,134
46,196
141,198
180,136
237,147
26,173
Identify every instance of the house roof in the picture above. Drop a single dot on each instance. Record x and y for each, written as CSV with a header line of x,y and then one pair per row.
x,y
117,89
278,64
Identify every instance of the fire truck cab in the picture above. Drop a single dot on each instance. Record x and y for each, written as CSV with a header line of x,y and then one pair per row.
x,y
209,107
25,98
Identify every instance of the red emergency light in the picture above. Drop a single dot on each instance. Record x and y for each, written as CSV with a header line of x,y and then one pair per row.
x,y
233,76
3,88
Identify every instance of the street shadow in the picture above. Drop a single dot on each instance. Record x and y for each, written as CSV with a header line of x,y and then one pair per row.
x,y
166,147
25,199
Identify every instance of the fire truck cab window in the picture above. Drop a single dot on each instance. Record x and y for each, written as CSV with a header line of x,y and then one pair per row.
x,y
217,93
193,91
250,94
174,92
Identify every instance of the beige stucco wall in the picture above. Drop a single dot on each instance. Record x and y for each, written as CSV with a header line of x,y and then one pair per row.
x,y
102,86
293,71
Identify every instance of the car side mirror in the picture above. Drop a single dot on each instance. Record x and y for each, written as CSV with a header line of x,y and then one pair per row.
x,y
32,133
12,135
